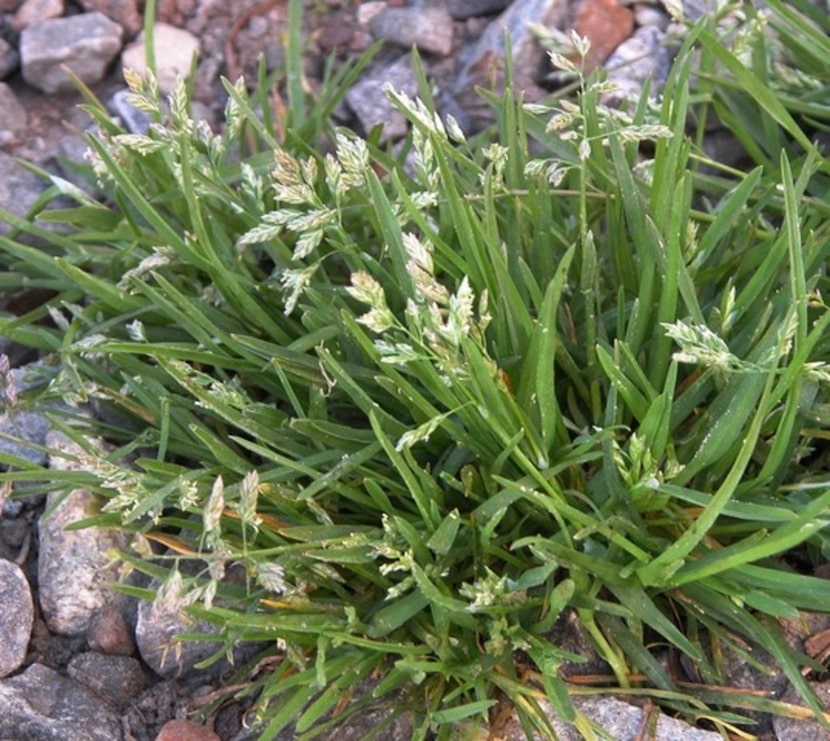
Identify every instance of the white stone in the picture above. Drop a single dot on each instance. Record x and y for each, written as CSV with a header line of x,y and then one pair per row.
x,y
368,10
17,616
650,15
174,50
76,571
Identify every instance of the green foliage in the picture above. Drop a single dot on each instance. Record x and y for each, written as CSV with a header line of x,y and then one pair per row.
x,y
429,400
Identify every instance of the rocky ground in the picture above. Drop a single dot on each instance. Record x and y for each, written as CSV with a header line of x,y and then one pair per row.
x,y
78,659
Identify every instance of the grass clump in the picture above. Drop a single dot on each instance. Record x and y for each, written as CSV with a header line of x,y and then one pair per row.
x,y
431,400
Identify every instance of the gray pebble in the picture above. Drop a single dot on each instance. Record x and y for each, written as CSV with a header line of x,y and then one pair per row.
x,y
134,120
372,107
16,617
793,729
9,59
430,29
462,9
640,57
13,118
117,679
41,704
87,43
156,634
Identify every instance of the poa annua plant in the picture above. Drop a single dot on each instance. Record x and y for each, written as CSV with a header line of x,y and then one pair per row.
x,y
430,405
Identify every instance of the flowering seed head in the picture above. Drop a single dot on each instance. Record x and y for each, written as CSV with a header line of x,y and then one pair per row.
x,y
271,576
214,507
248,495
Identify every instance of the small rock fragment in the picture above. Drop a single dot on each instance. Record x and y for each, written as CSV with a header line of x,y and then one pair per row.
x,y
151,710
41,704
754,669
430,29
695,9
9,59
792,729
641,56
516,22
570,634
372,107
11,508
116,679
174,51
13,121
24,426
74,568
724,148
184,730
482,63
160,624
35,11
463,9
17,616
618,719
335,31
156,635
19,189
86,43
108,633
175,12
135,121
14,530
624,720
123,12
650,15
368,10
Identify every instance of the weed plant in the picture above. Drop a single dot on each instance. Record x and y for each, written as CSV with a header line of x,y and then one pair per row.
x,y
431,398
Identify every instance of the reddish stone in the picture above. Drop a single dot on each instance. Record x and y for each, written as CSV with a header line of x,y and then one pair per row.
x,y
606,24
35,11
124,12
184,730
335,31
175,12
108,633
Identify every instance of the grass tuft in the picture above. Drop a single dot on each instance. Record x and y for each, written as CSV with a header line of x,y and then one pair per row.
x,y
431,404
